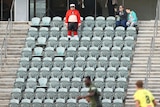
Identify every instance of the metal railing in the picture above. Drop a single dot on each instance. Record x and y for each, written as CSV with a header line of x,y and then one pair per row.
x,y
152,45
11,12
3,50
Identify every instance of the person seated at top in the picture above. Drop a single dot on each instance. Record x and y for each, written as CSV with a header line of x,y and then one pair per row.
x,y
132,18
121,16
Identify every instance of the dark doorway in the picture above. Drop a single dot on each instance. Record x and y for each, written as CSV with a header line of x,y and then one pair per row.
x,y
5,9
57,7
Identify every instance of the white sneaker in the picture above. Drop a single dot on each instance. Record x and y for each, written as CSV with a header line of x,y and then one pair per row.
x,y
76,37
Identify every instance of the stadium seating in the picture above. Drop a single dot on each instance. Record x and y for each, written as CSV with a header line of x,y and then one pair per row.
x,y
102,52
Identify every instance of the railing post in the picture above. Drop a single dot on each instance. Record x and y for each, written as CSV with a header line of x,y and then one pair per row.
x,y
1,10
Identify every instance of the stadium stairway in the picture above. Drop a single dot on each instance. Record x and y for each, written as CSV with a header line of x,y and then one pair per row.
x,y
139,66
15,45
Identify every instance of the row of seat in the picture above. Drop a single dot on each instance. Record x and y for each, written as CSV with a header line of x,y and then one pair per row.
x,y
84,43
83,32
91,63
87,21
68,83
62,103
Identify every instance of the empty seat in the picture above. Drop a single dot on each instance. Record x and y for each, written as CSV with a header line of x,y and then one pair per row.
x,y
52,42
69,62
110,83
35,21
29,94
46,21
49,52
27,52
30,42
111,72
89,21
118,103
122,83
41,41
103,62
38,51
111,21
14,103
33,73
24,62
25,103
19,83
60,102
33,32
37,103
74,93
71,103
78,72
100,21
63,42
71,52
83,52
56,72
51,93
67,72
109,32
99,83
16,94
49,103
36,62
47,62
31,83
108,93
94,52
91,62
22,73
76,82
44,32
106,103
85,42
87,32
43,81
96,42
131,31
80,62
74,42
54,83
57,21
40,93
55,32
100,72
63,93
105,52
119,93
120,31
58,62
98,32
65,83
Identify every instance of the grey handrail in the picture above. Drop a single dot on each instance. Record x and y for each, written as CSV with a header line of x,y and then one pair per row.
x,y
11,12
3,49
152,45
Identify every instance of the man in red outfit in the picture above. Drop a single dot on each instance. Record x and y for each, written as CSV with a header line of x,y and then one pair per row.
x,y
73,21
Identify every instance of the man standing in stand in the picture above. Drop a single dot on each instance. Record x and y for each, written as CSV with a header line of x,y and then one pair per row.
x,y
73,21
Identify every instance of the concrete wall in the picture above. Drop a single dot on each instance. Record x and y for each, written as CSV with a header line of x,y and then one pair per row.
x,y
21,12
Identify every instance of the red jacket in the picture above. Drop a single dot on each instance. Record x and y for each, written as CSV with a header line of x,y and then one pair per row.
x,y
73,12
